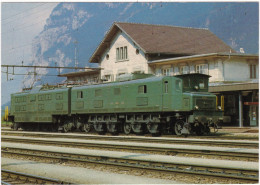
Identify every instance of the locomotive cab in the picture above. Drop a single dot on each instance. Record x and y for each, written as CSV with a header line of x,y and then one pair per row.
x,y
195,82
202,109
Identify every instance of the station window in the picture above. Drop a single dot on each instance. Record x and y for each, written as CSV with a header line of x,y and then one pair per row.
x,y
108,78
80,94
142,89
252,71
166,72
201,68
184,69
121,53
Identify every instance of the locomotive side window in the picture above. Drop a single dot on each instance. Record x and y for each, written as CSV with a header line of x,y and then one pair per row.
x,y
117,91
48,96
41,97
59,96
24,99
80,94
166,87
98,92
32,98
142,89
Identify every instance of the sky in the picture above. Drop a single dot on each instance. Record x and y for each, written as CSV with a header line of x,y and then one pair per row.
x,y
20,23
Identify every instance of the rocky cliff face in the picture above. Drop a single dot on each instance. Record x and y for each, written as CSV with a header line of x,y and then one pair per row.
x,y
83,26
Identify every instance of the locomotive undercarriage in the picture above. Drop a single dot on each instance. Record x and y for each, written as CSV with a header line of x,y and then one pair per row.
x,y
139,123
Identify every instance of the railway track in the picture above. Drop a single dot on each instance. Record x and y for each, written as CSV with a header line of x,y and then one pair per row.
x,y
244,171
9,177
211,152
162,140
215,136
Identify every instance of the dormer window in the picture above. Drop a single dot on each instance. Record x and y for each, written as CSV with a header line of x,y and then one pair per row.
x,y
121,53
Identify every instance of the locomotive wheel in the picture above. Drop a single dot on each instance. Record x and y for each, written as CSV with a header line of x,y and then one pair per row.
x,y
137,128
153,128
112,128
178,127
67,126
100,128
86,127
15,126
127,128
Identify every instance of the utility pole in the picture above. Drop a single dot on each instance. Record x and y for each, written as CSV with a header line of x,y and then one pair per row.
x,y
75,57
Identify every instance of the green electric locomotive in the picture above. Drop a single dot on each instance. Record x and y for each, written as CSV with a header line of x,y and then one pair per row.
x,y
137,103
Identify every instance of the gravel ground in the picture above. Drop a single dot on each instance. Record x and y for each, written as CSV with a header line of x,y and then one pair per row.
x,y
171,178
77,175
99,169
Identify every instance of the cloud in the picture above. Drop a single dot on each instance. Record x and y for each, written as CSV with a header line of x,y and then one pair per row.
x,y
80,19
126,8
112,5
68,6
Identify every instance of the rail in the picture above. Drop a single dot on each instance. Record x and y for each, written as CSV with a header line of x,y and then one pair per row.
x,y
249,154
227,171
9,176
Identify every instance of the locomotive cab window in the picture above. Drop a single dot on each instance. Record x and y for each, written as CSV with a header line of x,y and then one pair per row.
x,y
80,94
178,85
142,89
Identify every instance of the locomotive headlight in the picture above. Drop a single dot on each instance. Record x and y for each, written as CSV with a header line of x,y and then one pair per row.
x,y
219,107
196,107
196,87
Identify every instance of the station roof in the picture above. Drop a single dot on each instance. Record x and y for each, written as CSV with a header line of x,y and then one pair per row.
x,y
153,39
234,87
204,56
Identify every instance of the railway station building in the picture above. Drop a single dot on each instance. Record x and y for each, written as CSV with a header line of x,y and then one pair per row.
x,y
168,50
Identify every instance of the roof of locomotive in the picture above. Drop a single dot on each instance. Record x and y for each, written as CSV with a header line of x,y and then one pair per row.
x,y
40,89
193,74
143,80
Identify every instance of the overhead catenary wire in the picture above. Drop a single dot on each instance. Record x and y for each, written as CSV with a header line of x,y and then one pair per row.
x,y
20,13
24,26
